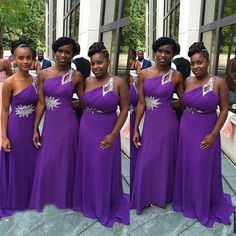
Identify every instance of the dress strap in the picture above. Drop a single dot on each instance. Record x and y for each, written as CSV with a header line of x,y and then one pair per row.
x,y
106,88
67,76
167,77
209,85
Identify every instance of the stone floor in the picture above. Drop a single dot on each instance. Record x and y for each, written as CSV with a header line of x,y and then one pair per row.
x,y
152,222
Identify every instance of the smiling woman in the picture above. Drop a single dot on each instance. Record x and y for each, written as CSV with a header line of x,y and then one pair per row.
x,y
155,165
198,190
54,174
18,154
98,189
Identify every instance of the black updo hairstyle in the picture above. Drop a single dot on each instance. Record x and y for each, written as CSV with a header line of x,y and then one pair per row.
x,y
198,47
164,41
64,41
21,43
98,47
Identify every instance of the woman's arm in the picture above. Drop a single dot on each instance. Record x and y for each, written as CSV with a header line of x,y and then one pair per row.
x,y
78,80
223,93
39,109
7,68
137,67
179,88
139,109
124,107
7,91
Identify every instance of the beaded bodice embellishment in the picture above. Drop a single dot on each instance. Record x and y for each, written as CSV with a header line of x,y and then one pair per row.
x,y
108,87
66,78
152,102
52,102
167,77
206,88
24,110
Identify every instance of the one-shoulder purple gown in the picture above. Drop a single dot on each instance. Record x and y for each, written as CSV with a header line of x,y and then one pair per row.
x,y
155,166
198,191
98,189
17,166
55,168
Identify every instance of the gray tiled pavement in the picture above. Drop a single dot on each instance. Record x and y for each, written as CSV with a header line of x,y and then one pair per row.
x,y
153,221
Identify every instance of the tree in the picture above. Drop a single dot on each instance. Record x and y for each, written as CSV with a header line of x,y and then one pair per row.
x,y
137,27
22,19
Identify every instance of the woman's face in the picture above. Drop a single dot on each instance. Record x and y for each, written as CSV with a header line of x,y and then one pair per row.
x,y
164,55
99,64
199,64
23,58
64,54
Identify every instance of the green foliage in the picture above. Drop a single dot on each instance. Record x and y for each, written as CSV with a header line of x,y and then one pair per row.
x,y
22,19
137,26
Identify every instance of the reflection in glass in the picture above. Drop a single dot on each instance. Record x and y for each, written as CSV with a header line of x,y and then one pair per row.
x,y
227,61
109,39
209,39
127,8
111,11
227,47
229,7
171,24
211,11
123,52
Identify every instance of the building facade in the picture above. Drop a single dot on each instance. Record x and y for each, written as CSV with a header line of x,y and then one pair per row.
x,y
187,21
88,21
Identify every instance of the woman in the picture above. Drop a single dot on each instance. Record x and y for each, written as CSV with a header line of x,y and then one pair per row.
x,y
98,184
35,67
53,182
5,70
198,191
18,154
154,172
134,64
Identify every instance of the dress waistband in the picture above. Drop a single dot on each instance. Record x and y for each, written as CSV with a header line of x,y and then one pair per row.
x,y
94,110
194,110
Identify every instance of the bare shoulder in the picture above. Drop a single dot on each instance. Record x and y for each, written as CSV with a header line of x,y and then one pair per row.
x,y
9,83
219,80
120,82
147,72
77,76
177,76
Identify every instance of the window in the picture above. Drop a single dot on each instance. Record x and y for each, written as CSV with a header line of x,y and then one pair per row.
x,y
109,39
211,11
111,11
115,33
71,19
229,8
209,39
171,18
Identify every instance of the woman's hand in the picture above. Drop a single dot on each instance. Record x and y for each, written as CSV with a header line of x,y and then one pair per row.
x,y
36,139
136,139
6,145
107,141
207,141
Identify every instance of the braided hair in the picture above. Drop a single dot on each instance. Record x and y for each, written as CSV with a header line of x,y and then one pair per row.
x,y
198,47
98,47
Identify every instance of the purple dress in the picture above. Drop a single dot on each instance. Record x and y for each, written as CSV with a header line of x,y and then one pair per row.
x,y
17,166
198,191
98,189
133,150
53,182
154,172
